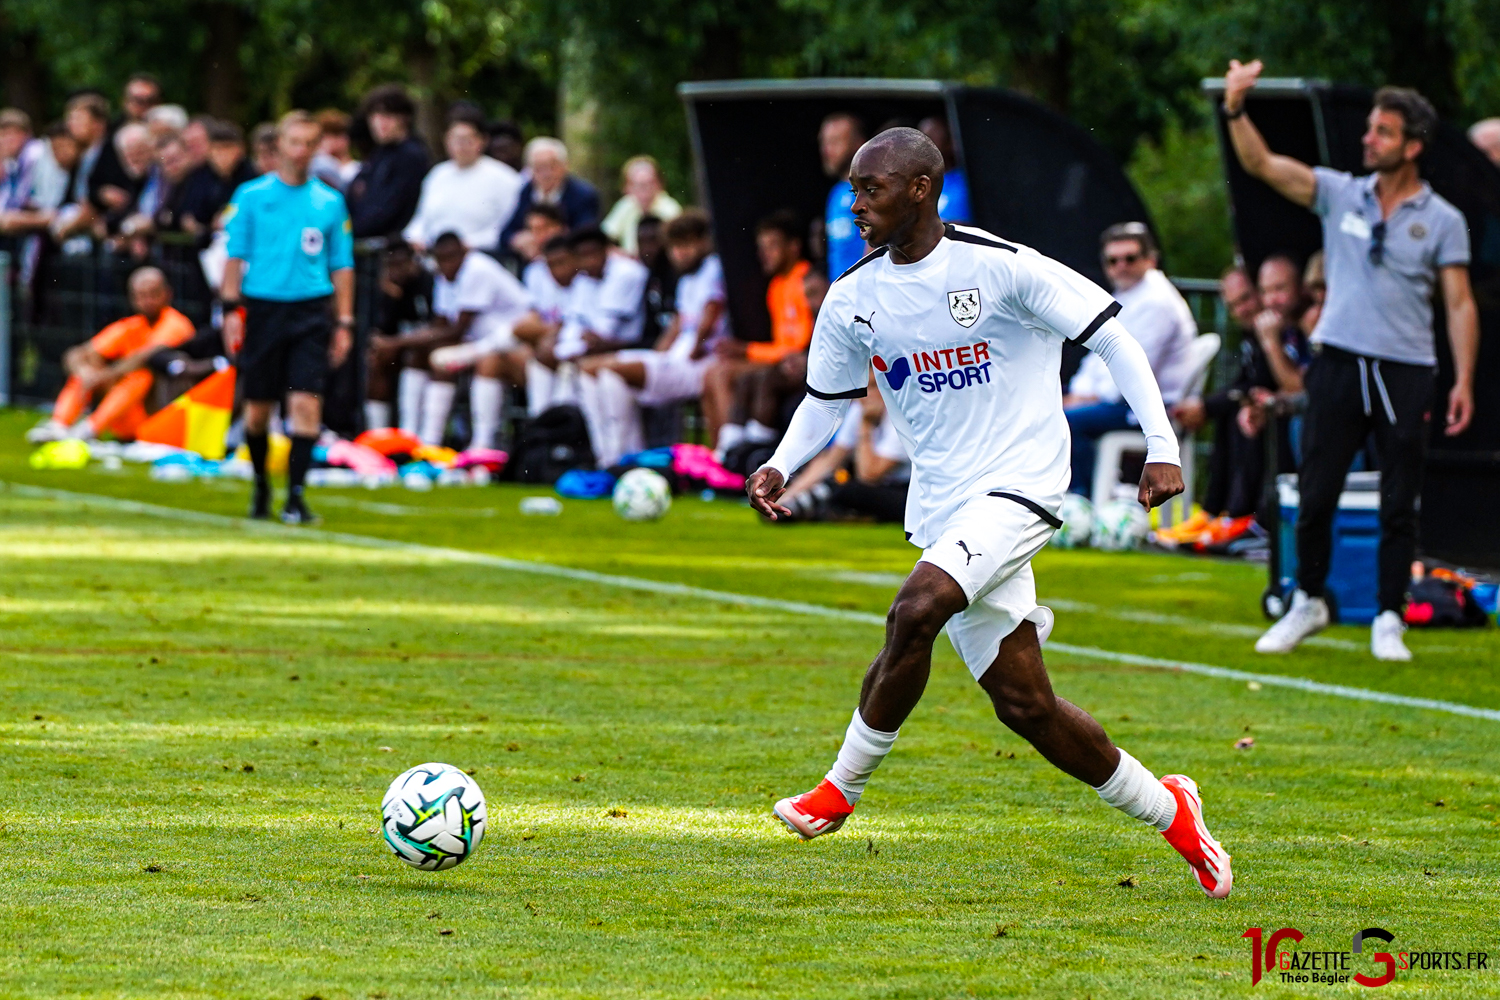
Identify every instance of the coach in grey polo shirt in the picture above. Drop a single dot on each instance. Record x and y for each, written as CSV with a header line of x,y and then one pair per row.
x,y
1389,242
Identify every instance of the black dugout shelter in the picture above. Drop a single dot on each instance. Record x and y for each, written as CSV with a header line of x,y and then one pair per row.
x,y
1321,124
1034,177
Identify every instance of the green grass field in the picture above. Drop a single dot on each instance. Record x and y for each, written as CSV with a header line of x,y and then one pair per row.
x,y
199,719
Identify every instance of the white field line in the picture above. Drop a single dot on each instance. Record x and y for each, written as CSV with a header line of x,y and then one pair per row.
x,y
721,596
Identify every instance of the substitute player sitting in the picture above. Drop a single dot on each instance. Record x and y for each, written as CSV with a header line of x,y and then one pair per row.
x,y
966,332
111,366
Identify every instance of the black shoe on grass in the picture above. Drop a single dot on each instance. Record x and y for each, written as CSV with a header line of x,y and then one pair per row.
x,y
260,502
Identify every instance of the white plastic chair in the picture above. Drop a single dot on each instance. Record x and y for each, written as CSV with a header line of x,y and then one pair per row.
x,y
1113,447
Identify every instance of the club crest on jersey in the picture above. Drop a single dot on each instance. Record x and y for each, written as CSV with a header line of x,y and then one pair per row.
x,y
963,306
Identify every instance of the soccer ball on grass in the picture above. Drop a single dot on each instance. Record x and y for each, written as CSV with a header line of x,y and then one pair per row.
x,y
434,816
1120,525
1077,516
642,495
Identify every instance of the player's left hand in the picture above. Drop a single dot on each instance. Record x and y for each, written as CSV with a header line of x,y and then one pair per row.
x,y
765,485
1460,410
1160,482
338,346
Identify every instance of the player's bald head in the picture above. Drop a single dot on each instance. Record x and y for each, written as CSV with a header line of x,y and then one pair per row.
x,y
902,152
147,278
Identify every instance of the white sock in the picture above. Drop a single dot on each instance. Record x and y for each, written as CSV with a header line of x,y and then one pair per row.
x,y
377,414
617,402
409,389
1135,791
539,379
759,432
484,410
863,750
437,400
600,437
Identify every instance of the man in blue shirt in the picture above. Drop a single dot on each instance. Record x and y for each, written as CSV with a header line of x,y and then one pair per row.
x,y
290,248
953,200
840,135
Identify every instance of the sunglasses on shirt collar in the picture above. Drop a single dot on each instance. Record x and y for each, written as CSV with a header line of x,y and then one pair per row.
x,y
1377,243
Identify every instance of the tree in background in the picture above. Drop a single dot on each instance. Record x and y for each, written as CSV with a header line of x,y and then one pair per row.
x,y
604,72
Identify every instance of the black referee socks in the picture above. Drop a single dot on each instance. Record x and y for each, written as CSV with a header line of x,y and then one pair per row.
x,y
258,445
298,462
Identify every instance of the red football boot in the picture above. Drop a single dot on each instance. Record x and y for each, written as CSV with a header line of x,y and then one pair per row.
x,y
1205,856
812,814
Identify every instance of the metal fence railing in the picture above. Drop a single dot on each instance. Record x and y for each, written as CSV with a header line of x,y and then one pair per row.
x,y
70,296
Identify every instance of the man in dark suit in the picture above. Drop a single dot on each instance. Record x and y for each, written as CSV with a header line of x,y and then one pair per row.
x,y
550,184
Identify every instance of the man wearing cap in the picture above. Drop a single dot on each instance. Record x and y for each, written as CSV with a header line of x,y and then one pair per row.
x,y
1388,241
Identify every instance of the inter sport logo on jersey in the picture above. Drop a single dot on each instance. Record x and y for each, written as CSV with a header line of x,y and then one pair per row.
x,y
936,370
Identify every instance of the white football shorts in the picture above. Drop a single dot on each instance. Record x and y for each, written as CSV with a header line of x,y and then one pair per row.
x,y
669,377
987,547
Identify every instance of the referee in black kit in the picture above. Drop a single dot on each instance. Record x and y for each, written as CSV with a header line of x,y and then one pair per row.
x,y
290,249
1388,242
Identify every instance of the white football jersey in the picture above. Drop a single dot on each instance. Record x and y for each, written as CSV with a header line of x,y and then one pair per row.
x,y
967,348
481,286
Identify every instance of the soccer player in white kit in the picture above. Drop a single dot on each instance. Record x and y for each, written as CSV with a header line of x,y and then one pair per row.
x,y
965,332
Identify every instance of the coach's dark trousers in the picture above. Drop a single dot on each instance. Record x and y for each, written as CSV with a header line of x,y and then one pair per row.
x,y
1348,397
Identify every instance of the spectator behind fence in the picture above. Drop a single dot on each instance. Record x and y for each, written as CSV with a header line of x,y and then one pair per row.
x,y
469,193
644,194
335,164
19,154
1158,318
839,137
289,250
1388,241
263,153
506,144
112,366
550,184
48,188
87,119
1486,135
166,121
195,139
953,201
672,371
160,204
208,188
778,243
142,93
383,195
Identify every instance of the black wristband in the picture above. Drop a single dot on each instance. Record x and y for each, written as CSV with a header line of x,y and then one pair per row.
x,y
1232,115
229,304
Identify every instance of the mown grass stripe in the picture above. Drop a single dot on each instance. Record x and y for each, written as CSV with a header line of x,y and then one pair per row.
x,y
724,597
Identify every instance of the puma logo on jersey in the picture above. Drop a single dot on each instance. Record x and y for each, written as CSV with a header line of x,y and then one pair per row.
x,y
967,554
866,322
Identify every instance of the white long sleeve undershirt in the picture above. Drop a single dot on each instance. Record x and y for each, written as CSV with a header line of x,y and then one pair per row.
x,y
816,419
1131,370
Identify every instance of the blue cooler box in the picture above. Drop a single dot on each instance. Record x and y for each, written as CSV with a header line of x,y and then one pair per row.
x,y
1354,570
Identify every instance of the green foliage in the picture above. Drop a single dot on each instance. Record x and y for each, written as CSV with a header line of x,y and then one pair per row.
x,y
1180,177
1125,69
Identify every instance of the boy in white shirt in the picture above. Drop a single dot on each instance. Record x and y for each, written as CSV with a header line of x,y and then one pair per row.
x,y
468,194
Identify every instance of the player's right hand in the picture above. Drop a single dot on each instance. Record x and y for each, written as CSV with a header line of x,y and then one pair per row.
x,y
764,486
1240,78
234,331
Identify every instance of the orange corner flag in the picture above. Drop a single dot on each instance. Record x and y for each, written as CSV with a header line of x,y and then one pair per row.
x,y
197,420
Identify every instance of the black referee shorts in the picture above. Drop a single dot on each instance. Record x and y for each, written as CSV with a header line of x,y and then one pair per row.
x,y
285,348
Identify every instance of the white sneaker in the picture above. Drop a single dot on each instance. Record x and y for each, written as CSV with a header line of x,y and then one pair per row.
x,y
49,430
1385,637
1308,616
